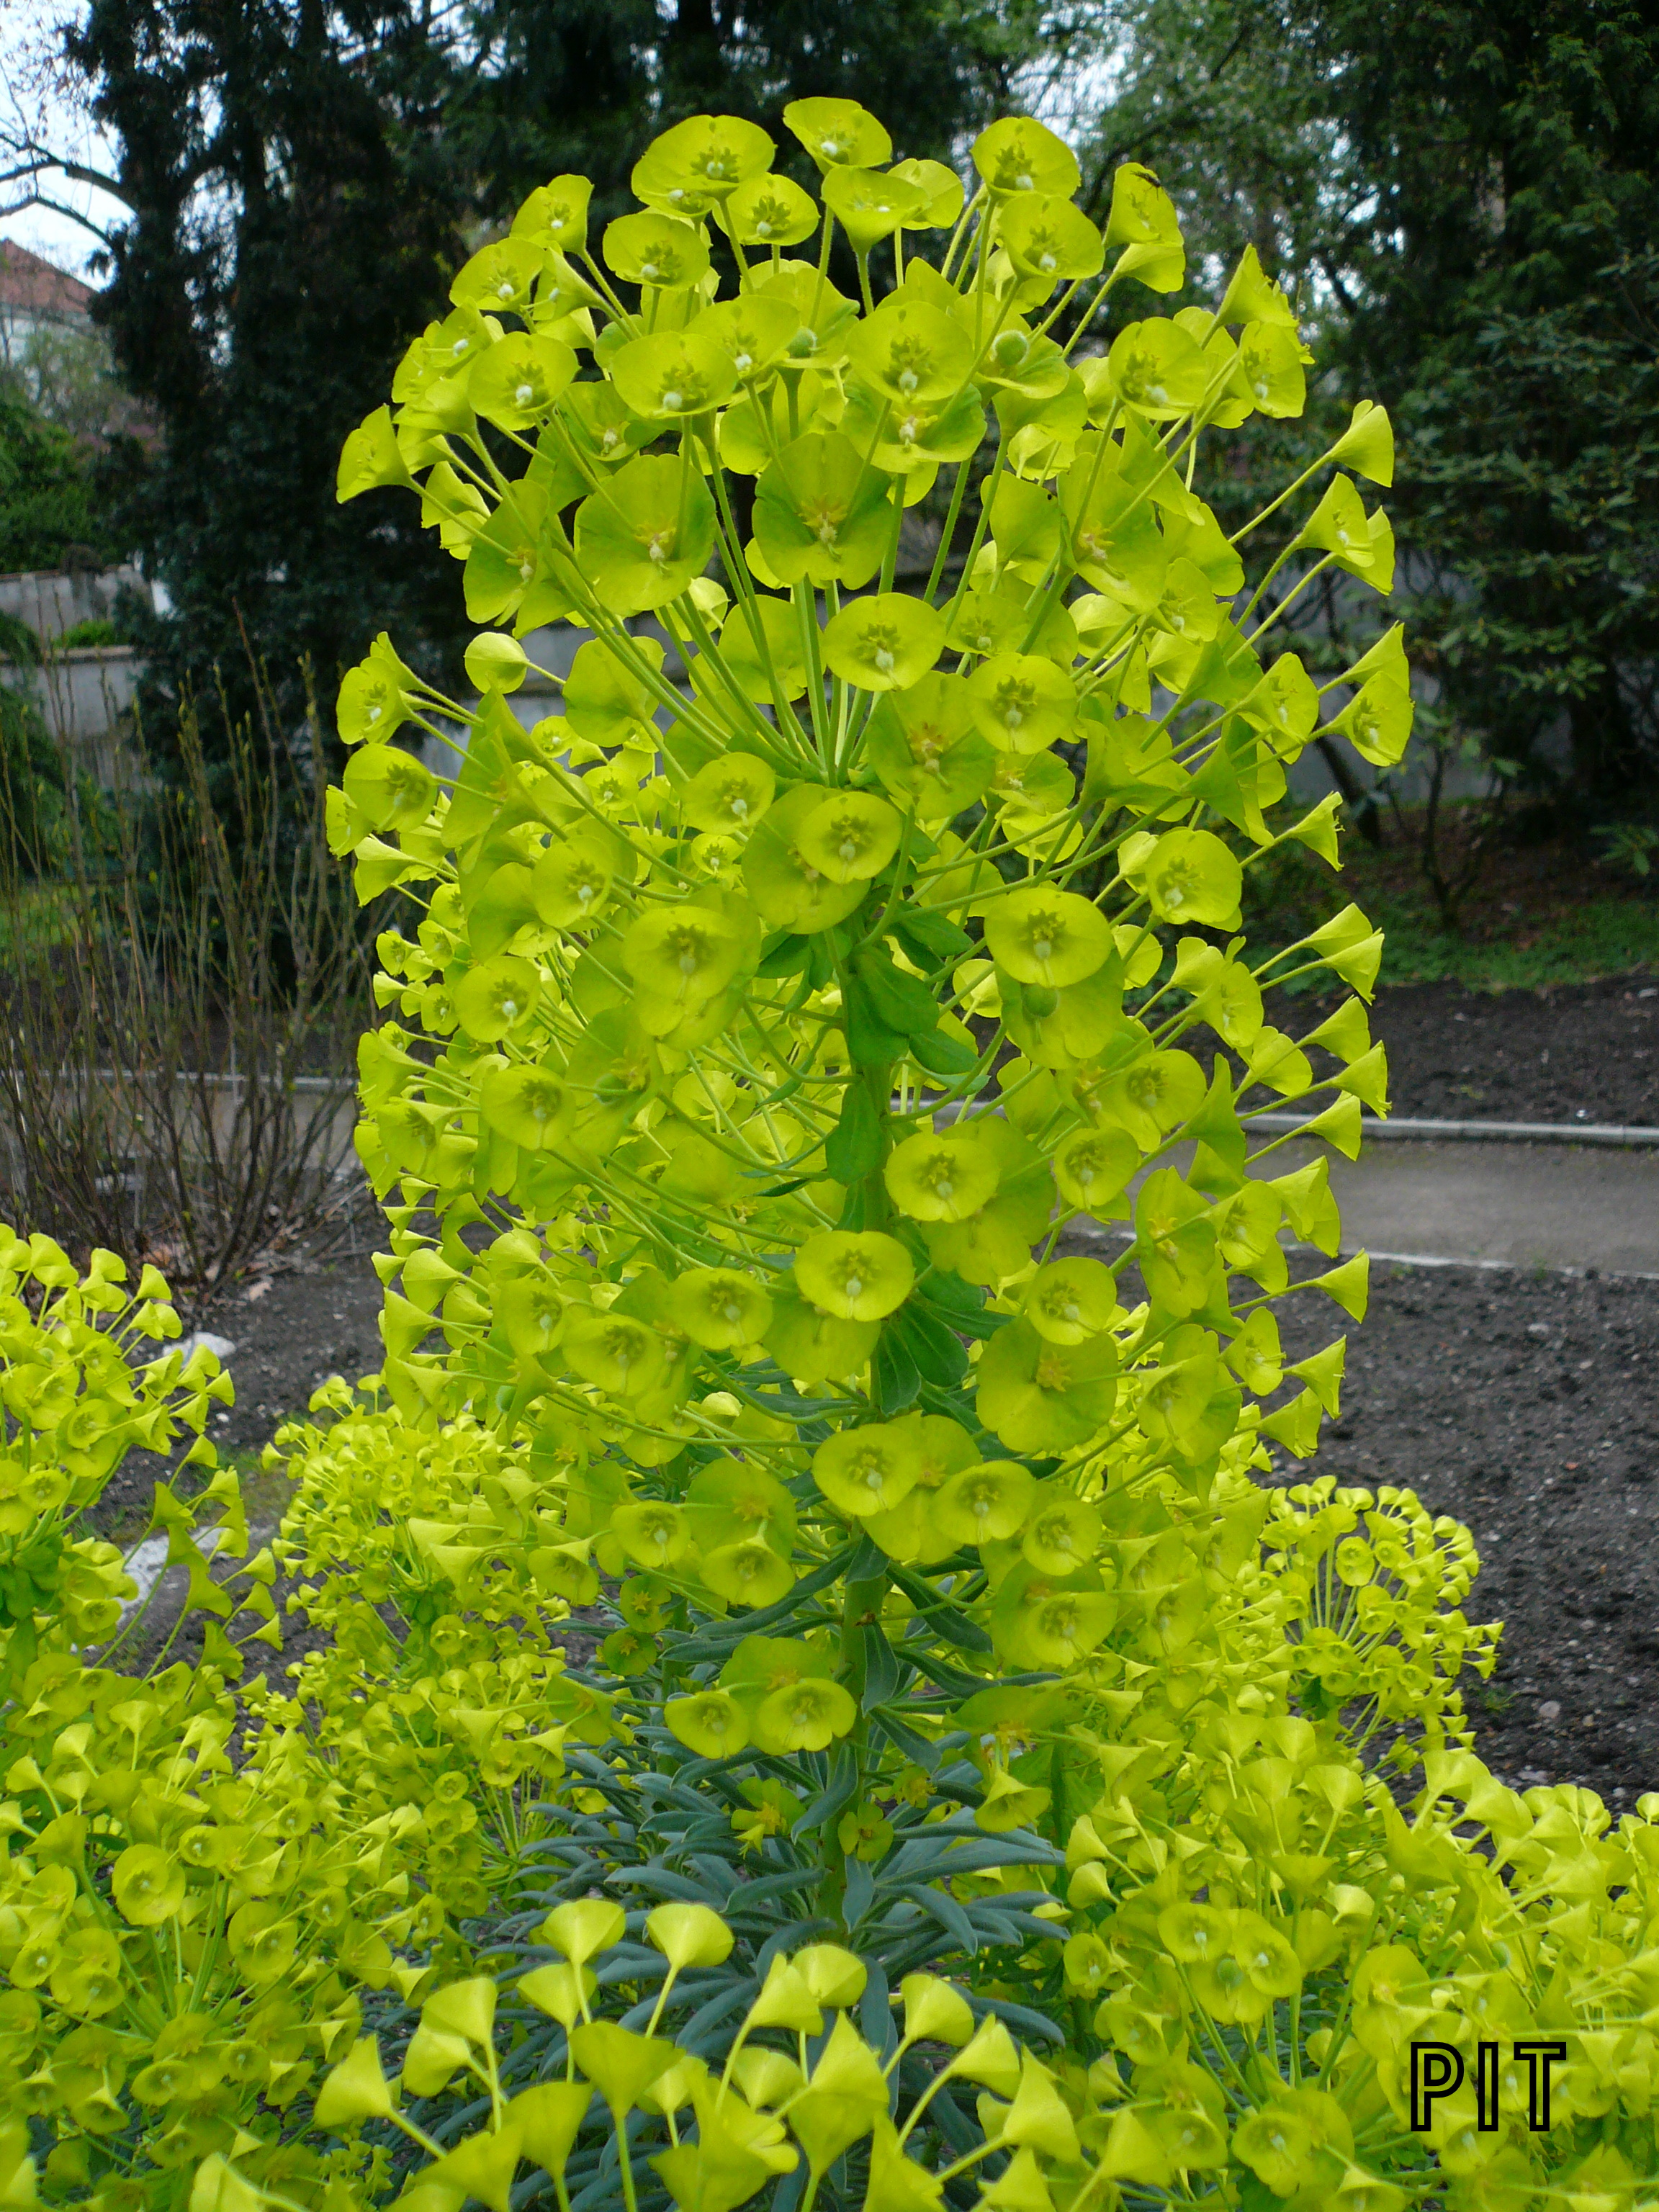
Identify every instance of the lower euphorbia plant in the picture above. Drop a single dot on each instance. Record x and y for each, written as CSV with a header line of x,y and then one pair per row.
x,y
223,1932
188,1919
812,2074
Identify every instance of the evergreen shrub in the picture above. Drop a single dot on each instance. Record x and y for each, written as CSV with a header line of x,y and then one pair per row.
x,y
816,1244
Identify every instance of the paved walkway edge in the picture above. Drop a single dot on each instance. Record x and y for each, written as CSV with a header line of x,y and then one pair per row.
x,y
1110,1229
1403,1126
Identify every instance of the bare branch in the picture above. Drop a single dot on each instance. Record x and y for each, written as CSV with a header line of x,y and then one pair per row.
x,y
79,173
33,159
55,207
1333,278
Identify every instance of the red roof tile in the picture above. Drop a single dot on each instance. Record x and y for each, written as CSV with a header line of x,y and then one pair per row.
x,y
31,286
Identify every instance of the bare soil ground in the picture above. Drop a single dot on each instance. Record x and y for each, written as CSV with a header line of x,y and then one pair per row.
x,y
1526,1407
1587,1053
298,1329
1529,1409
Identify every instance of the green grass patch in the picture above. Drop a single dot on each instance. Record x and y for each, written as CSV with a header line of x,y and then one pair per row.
x,y
1540,916
93,632
1601,937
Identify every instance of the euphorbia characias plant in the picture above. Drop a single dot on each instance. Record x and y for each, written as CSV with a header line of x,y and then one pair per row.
x,y
770,1028
775,1036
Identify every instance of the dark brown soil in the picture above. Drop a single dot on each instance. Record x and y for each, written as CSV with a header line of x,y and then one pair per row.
x,y
1529,1409
297,1329
304,1328
1586,1054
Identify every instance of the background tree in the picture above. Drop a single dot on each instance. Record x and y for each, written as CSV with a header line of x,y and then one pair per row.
x,y
1505,286
63,373
575,85
1465,199
288,206
1468,200
299,184
1223,99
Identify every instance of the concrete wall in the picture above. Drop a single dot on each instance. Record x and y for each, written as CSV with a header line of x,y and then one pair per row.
x,y
85,694
52,600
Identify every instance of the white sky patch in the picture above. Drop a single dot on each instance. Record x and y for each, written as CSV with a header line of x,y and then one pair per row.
x,y
40,100
1069,93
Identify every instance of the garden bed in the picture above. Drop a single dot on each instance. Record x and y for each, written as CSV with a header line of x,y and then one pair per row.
x,y
1584,1053
297,1330
1539,914
1526,1407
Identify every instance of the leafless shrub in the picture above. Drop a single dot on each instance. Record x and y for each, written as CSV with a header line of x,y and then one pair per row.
x,y
182,997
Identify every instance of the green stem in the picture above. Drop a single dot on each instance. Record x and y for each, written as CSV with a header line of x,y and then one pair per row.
x,y
947,533
625,2157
